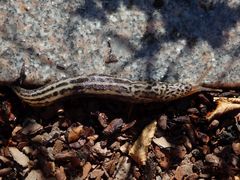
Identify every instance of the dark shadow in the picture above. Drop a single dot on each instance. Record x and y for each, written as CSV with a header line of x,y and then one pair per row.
x,y
183,19
192,20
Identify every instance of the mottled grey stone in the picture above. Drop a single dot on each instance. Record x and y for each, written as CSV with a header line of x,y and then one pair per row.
x,y
187,41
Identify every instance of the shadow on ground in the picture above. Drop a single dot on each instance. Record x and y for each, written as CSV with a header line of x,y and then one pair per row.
x,y
205,20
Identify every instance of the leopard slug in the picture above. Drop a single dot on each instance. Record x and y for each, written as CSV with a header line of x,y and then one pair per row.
x,y
107,86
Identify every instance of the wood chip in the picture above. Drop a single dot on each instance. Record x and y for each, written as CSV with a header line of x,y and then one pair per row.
x,y
123,168
65,155
4,160
74,133
183,171
60,174
32,128
86,169
99,150
5,171
113,126
213,159
96,174
103,119
19,157
35,174
162,142
163,158
58,146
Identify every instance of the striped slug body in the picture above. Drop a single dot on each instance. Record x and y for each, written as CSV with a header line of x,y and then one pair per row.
x,y
100,85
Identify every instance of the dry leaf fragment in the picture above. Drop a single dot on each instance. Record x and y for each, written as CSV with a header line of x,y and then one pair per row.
x,y
224,105
19,157
140,147
232,100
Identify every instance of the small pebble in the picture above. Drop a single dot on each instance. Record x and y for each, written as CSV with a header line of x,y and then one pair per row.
x,y
162,122
193,111
213,159
187,143
213,124
203,109
236,148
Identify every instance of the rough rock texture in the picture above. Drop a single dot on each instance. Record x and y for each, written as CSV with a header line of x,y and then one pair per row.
x,y
189,41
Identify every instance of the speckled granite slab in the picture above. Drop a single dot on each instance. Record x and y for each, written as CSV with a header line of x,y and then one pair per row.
x,y
187,41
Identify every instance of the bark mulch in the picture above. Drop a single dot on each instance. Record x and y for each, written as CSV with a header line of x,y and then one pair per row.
x,y
88,138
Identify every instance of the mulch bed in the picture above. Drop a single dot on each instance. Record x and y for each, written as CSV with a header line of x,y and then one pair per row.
x,y
87,138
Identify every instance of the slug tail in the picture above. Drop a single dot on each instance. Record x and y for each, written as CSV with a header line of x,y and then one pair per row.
x,y
196,89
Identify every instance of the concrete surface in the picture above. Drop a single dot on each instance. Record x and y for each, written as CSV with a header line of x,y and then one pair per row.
x,y
174,41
